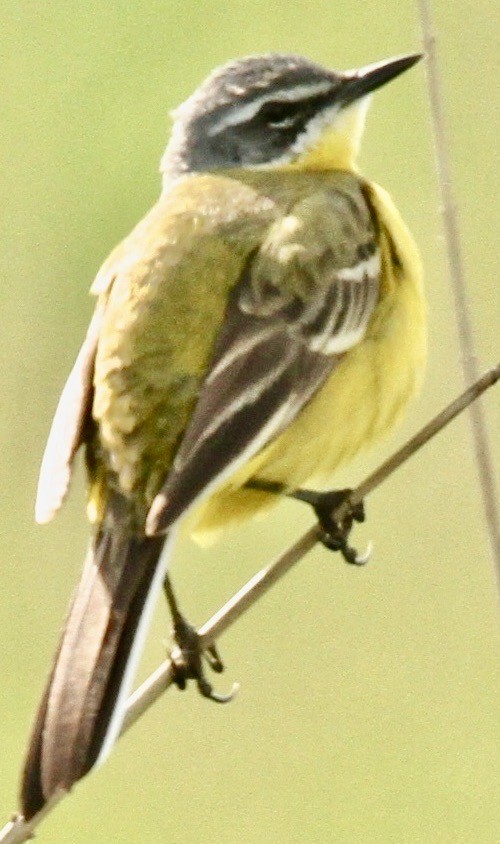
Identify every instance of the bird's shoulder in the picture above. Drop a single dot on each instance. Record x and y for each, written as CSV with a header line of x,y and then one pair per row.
x,y
196,213
325,234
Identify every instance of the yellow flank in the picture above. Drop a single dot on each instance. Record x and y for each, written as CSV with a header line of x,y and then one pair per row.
x,y
364,397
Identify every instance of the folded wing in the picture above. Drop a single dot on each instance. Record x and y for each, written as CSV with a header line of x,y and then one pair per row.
x,y
305,298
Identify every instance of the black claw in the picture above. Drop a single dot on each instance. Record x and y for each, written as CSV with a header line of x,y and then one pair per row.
x,y
187,656
213,659
350,555
334,534
206,690
187,662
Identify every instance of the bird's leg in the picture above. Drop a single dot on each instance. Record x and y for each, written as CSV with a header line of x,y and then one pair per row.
x,y
334,533
187,656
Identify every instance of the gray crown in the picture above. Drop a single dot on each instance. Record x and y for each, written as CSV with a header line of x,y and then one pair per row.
x,y
248,112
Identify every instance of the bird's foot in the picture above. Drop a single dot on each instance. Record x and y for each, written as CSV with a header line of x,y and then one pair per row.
x,y
188,653
335,532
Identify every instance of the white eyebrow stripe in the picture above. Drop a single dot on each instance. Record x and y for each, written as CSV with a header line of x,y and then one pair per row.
x,y
246,112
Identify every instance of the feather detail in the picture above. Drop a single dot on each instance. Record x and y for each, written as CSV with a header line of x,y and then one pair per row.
x,y
67,429
84,703
293,314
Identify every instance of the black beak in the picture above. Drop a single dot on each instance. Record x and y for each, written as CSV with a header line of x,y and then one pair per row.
x,y
359,83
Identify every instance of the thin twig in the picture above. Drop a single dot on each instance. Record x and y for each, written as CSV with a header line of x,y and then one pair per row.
x,y
17,831
470,366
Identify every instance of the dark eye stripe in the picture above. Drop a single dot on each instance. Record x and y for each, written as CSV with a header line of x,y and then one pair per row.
x,y
277,110
290,112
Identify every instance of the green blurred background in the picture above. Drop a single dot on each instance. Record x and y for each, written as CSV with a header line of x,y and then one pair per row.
x,y
369,708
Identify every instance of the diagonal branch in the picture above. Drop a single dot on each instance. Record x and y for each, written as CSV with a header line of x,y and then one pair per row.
x,y
17,831
470,367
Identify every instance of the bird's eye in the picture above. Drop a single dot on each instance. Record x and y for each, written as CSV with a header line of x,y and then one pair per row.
x,y
277,115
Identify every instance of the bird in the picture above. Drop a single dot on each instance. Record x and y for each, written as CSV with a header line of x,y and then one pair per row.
x,y
261,325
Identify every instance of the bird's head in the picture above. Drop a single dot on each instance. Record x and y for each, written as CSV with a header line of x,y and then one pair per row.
x,y
275,111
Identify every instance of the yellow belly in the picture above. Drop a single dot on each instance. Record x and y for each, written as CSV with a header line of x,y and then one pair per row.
x,y
363,398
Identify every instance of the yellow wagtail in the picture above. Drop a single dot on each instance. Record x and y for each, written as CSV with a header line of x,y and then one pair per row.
x,y
262,323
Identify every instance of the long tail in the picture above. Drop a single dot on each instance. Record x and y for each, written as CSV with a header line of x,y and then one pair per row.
x,y
82,710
